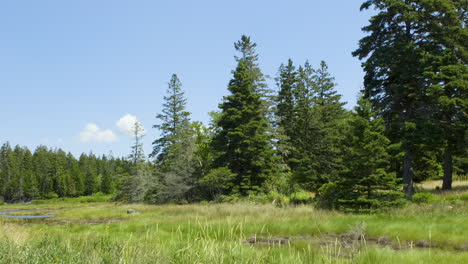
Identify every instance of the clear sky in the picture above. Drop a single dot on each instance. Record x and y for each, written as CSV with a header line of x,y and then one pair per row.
x,y
70,70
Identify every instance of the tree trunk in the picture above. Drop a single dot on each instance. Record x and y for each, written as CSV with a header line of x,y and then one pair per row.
x,y
448,168
408,174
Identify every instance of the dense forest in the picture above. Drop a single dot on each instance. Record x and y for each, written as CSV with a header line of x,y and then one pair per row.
x,y
296,138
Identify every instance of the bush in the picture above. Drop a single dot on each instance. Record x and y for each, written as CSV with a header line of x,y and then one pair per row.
x,y
328,195
424,198
233,198
464,197
302,197
1,200
217,181
278,199
51,195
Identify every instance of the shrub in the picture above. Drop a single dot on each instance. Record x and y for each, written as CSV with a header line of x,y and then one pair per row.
x,y
328,195
99,194
424,198
302,197
233,198
278,199
217,181
464,197
51,195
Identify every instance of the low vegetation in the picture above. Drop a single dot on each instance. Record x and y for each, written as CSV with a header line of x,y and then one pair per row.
x,y
89,231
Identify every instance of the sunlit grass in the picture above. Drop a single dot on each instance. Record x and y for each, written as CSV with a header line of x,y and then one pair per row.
x,y
103,232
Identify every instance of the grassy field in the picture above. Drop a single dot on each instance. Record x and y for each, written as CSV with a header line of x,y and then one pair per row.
x,y
85,231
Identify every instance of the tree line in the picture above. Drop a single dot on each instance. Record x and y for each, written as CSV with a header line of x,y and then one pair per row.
x,y
409,125
51,173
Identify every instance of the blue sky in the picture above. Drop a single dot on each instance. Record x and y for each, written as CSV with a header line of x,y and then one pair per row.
x,y
70,70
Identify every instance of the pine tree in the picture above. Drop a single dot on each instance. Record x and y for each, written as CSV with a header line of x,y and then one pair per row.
x,y
315,135
77,176
174,119
366,184
5,173
137,155
176,147
287,82
243,142
30,184
330,114
44,170
394,82
107,183
415,50
446,52
136,185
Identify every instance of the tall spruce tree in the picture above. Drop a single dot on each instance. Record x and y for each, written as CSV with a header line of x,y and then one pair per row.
x,y
243,144
416,75
446,53
366,183
175,149
314,135
174,120
330,114
394,81
136,184
287,81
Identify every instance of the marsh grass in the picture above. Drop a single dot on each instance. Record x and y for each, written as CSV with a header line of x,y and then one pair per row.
x,y
103,232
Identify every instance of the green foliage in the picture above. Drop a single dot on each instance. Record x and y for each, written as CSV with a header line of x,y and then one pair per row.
x,y
309,114
424,198
328,195
98,197
416,76
302,197
218,181
181,154
174,120
242,142
365,184
50,195
48,173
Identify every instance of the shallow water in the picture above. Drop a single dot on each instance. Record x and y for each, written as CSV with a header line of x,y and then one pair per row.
x,y
6,213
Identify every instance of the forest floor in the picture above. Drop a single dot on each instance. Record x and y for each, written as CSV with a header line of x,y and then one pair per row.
x,y
84,231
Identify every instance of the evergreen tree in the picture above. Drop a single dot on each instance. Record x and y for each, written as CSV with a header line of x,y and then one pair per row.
x,y
89,166
176,147
30,184
243,144
174,119
285,110
136,185
44,170
394,81
76,175
315,135
137,155
5,168
366,184
330,114
416,75
107,183
446,52
50,173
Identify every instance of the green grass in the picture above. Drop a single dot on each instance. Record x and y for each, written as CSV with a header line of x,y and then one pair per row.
x,y
103,232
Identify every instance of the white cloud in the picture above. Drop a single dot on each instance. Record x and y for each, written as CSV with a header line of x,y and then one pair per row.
x,y
92,133
126,124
